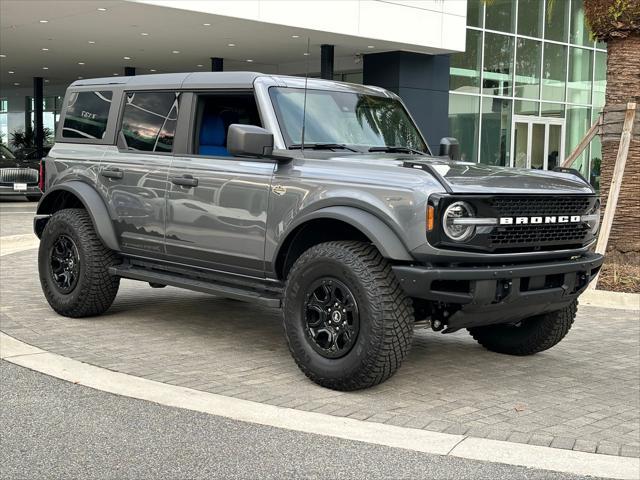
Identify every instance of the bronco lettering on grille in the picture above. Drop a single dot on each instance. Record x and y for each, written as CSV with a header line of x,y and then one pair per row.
x,y
540,220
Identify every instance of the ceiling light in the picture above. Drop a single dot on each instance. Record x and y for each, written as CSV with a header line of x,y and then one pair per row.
x,y
11,72
91,42
45,68
102,9
126,58
144,34
199,65
152,69
231,44
80,63
371,46
2,55
80,78
47,81
45,49
44,21
175,51
206,24
16,84
306,54
116,74
249,60
295,36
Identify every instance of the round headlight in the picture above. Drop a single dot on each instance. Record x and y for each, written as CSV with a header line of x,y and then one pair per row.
x,y
453,228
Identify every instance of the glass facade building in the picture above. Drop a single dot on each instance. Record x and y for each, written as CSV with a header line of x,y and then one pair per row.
x,y
529,85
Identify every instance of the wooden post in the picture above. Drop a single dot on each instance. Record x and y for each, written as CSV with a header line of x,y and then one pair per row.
x,y
616,181
586,140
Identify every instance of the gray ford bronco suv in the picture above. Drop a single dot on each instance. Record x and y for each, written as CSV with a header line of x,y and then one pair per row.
x,y
317,197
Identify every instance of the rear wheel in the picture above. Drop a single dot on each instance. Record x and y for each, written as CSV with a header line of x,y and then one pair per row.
x,y
74,266
531,335
348,322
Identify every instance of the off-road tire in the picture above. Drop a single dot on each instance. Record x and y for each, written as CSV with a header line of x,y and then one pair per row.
x,y
530,336
386,315
96,288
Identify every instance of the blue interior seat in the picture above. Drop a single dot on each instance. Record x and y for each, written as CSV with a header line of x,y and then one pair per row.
x,y
212,136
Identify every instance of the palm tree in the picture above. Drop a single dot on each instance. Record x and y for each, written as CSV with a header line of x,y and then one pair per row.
x,y
617,22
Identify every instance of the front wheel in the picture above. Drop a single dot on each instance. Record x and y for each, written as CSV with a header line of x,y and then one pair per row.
x,y
347,321
531,335
74,266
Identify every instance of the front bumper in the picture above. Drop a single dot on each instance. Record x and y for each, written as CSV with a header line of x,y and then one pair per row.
x,y
32,190
485,295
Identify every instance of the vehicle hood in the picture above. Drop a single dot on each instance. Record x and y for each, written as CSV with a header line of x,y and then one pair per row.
x,y
465,177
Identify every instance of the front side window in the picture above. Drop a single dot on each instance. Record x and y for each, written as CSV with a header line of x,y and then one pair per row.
x,y
87,114
346,118
149,120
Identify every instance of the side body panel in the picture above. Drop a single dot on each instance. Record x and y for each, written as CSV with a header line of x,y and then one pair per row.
x,y
221,222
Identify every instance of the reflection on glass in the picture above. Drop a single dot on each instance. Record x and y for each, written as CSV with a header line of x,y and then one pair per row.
x,y
474,13
555,144
465,66
580,70
578,122
520,144
600,80
537,146
496,131
552,110
464,114
526,107
149,121
528,68
500,15
556,20
530,18
579,29
498,61
554,72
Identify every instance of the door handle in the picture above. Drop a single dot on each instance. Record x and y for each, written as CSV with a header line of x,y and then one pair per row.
x,y
185,181
112,173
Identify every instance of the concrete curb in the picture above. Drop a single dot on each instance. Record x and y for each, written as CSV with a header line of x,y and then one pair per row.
x,y
568,461
607,299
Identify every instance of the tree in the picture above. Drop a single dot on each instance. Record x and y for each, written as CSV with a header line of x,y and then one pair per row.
x,y
617,22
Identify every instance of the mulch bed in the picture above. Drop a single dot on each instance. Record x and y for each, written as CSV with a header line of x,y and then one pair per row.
x,y
620,273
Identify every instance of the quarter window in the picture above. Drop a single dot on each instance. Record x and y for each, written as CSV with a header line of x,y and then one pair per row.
x,y
87,114
149,121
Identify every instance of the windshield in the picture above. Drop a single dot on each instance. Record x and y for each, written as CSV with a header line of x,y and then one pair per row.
x,y
344,118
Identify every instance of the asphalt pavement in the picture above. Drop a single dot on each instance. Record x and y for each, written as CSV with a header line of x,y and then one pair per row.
x,y
55,429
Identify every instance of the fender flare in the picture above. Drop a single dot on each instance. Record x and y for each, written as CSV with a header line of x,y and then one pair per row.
x,y
381,235
93,204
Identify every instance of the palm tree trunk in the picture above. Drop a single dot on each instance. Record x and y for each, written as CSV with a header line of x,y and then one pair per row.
x,y
623,85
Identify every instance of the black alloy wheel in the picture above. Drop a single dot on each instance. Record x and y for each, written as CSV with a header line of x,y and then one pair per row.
x,y
65,264
331,317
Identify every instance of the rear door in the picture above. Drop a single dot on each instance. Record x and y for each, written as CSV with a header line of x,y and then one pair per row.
x,y
217,204
134,175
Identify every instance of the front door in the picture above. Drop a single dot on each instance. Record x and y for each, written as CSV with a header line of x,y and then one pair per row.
x,y
537,142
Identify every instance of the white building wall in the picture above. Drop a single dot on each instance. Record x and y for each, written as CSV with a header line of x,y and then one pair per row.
x,y
425,25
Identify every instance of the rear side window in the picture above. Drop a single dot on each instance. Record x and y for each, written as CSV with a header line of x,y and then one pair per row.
x,y
87,114
149,120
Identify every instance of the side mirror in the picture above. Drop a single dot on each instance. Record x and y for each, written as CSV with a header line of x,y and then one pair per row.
x,y
249,141
450,147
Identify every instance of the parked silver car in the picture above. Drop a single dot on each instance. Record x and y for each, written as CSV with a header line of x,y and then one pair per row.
x,y
19,177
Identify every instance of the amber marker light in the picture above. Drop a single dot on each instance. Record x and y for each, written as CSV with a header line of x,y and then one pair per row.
x,y
430,218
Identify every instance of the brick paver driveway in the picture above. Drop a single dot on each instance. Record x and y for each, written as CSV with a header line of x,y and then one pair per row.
x,y
582,395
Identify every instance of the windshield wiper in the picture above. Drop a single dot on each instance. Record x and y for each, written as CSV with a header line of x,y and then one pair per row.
x,y
396,149
322,146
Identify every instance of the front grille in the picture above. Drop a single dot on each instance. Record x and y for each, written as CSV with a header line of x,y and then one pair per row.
x,y
552,205
18,175
518,237
538,235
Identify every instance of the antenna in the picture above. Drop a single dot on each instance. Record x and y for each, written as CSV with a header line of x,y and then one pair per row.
x,y
304,103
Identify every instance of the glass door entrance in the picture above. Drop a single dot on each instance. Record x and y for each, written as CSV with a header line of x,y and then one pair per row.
x,y
537,142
